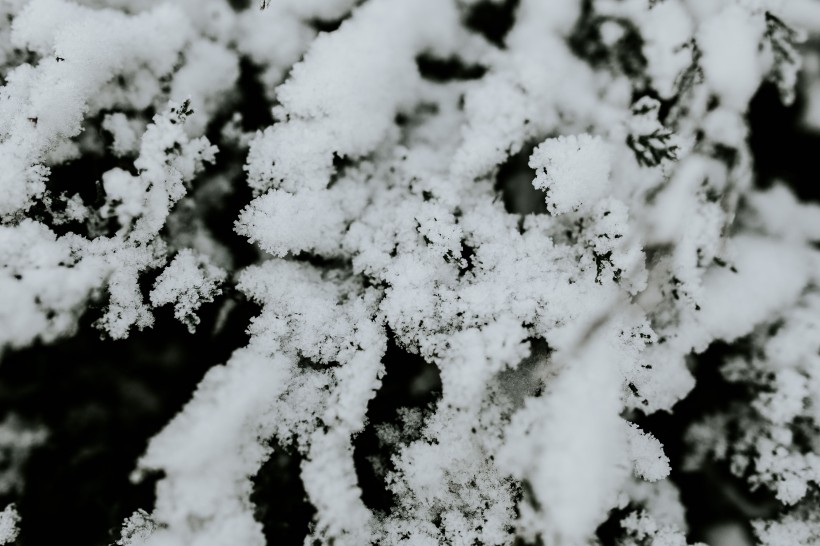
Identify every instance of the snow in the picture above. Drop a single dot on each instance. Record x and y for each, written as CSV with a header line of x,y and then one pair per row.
x,y
9,520
187,282
558,226
56,93
572,170
731,66
570,447
667,30
327,112
649,460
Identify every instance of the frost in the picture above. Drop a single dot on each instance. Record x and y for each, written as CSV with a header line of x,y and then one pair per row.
x,y
542,449
41,105
125,132
784,387
667,29
649,460
168,161
652,143
277,395
187,282
786,62
572,171
322,98
46,282
729,41
136,528
640,529
9,520
556,218
799,528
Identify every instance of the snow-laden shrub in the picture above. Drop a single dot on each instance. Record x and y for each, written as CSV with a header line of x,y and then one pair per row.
x,y
561,298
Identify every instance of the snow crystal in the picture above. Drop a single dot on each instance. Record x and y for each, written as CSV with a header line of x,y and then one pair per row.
x,y
573,171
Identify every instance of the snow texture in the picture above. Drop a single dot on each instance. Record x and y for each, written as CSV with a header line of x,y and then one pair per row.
x,y
558,220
